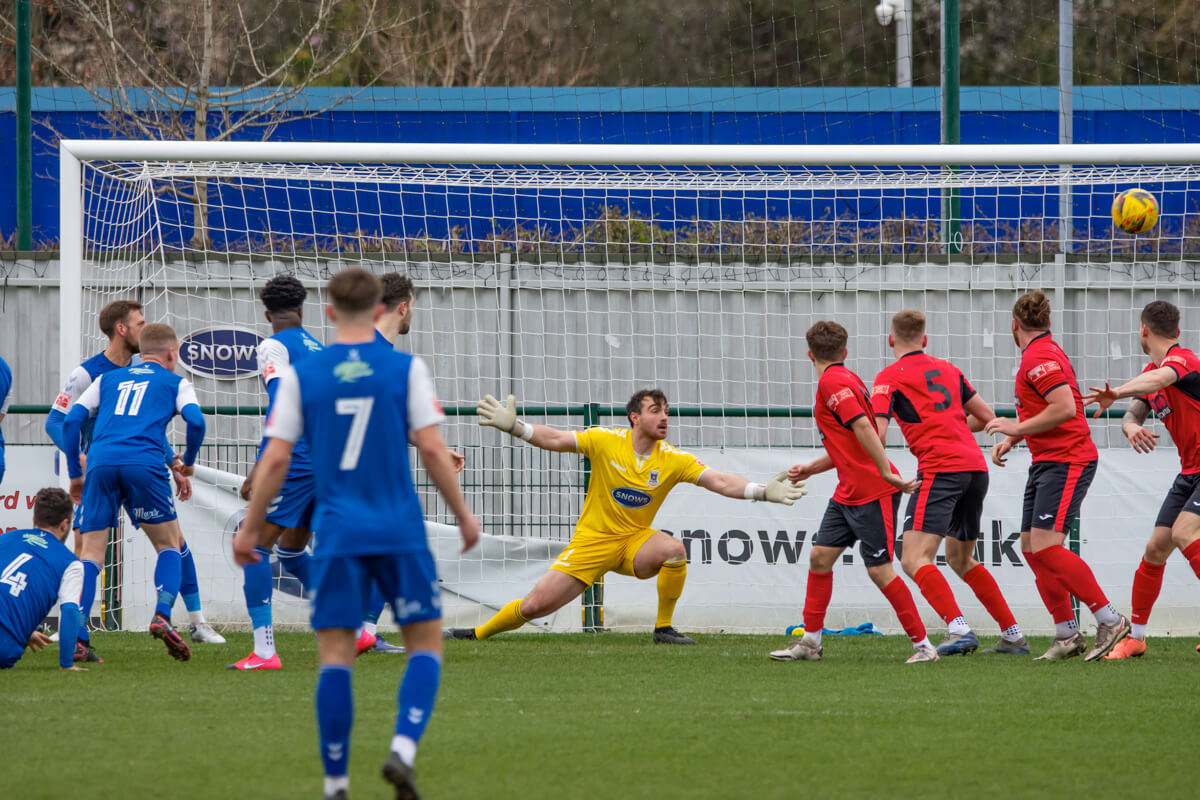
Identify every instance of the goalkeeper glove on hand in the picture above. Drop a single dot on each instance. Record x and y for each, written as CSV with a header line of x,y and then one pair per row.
x,y
493,415
780,490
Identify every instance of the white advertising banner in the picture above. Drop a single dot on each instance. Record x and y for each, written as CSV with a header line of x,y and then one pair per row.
x,y
747,562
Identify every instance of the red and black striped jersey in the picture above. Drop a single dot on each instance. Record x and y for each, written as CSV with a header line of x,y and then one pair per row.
x,y
1178,405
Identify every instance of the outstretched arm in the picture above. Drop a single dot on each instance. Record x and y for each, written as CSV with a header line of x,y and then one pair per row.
x,y
777,490
1147,383
504,417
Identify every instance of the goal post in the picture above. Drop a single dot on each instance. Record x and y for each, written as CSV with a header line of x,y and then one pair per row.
x,y
573,275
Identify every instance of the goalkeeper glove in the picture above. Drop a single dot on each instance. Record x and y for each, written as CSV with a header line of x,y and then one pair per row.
x,y
503,417
780,490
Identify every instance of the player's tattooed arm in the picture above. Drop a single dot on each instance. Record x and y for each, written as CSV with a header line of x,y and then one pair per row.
x,y
1133,426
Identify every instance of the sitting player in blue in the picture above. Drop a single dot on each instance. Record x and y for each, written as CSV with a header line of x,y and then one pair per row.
x,y
289,516
5,386
357,403
121,321
37,571
133,407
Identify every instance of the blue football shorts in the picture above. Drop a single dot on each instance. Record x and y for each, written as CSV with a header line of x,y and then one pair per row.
x,y
144,490
293,507
343,585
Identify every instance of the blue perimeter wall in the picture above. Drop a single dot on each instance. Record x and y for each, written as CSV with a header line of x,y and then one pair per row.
x,y
1008,115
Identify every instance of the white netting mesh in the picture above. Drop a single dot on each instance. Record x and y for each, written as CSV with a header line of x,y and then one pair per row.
x,y
572,287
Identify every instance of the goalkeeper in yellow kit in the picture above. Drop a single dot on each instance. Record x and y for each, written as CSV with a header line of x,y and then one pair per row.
x,y
632,473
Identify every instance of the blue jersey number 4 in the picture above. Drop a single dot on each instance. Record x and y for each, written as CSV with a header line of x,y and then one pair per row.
x,y
12,577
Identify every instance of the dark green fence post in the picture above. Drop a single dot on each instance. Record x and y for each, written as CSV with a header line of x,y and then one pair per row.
x,y
24,131
593,596
110,617
1073,546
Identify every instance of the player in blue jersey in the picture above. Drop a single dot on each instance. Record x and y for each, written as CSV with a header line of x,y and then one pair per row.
x,y
5,386
133,406
396,320
37,571
289,515
122,322
358,403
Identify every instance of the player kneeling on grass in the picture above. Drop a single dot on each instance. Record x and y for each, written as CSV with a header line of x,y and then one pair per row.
x,y
356,403
633,471
37,571
863,508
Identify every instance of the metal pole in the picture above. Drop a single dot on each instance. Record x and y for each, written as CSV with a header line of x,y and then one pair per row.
x,y
951,132
1066,114
904,46
24,132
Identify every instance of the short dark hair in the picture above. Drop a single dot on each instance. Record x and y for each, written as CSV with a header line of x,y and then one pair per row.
x,y
634,406
51,507
397,289
157,337
283,293
908,325
1032,311
354,291
827,341
114,312
1162,318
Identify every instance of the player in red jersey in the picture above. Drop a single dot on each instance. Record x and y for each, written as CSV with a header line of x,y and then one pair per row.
x,y
1051,420
863,508
1170,385
937,410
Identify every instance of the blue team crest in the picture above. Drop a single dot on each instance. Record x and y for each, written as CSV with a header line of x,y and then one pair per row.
x,y
652,481
35,540
222,353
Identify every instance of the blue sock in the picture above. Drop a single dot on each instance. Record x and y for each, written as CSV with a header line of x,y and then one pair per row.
x,y
166,579
256,585
91,573
335,716
295,562
375,608
418,691
189,585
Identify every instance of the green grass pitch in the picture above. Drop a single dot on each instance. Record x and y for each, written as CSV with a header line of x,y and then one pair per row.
x,y
582,716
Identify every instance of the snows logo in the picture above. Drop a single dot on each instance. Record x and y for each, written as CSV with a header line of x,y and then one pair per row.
x,y
222,353
352,371
35,540
631,498
1043,369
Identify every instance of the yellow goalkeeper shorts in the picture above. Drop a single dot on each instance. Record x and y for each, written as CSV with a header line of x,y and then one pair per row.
x,y
590,554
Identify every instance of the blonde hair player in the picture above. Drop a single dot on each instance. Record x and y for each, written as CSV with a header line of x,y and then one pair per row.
x,y
632,473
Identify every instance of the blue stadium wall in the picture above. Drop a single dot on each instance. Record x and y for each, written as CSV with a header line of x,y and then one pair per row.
x,y
636,116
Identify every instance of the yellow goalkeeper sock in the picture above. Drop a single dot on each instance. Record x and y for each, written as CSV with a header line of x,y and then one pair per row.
x,y
506,619
670,586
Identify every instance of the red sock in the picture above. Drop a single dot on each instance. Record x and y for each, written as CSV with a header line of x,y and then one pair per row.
x,y
1054,596
1147,582
1074,574
988,591
902,600
936,590
816,600
1192,554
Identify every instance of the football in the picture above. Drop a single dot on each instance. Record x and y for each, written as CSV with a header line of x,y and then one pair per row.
x,y
1135,211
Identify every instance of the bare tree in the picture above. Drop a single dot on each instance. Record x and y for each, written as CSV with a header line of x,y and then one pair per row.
x,y
208,69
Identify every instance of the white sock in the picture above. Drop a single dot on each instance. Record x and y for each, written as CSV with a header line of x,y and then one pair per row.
x,y
1012,634
358,633
264,641
335,785
404,747
923,643
1138,632
1065,630
1107,615
371,627
958,626
812,637
196,617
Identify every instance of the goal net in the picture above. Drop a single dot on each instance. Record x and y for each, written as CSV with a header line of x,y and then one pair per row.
x,y
573,275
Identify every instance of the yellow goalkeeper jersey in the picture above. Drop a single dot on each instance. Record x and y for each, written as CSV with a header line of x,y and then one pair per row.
x,y
625,490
